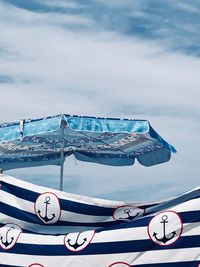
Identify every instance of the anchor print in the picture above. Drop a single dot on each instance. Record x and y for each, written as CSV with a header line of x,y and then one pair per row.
x,y
129,217
46,218
164,239
127,213
165,228
47,208
7,243
78,241
9,235
76,244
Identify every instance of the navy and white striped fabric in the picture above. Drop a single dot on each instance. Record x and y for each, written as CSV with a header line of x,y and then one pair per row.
x,y
41,227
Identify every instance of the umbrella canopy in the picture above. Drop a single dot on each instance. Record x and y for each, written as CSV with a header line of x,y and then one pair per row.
x,y
109,141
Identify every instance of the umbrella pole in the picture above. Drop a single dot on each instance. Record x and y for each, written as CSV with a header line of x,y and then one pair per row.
x,y
61,176
62,158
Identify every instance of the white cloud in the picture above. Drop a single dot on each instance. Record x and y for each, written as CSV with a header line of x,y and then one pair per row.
x,y
188,7
58,70
97,65
61,4
119,4
12,17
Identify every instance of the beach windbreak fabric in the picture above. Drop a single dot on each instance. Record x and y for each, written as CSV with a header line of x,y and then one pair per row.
x,y
108,141
42,227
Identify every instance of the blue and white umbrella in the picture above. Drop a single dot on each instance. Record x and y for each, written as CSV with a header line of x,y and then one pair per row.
x,y
109,141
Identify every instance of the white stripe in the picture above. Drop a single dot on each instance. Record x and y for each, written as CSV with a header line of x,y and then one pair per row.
x,y
104,260
41,239
127,234
173,255
190,229
190,205
65,215
16,202
79,198
63,195
102,237
4,219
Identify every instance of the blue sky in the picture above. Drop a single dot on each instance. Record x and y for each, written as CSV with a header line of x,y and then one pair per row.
x,y
131,59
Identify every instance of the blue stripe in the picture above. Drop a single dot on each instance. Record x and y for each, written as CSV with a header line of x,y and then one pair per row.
x,y
104,248
19,192
25,231
171,264
5,265
192,216
31,218
65,204
186,217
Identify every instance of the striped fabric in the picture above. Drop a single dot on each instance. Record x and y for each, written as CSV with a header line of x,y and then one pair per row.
x,y
41,227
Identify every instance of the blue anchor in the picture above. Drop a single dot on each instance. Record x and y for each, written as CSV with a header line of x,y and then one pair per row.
x,y
7,243
76,244
45,218
128,211
164,239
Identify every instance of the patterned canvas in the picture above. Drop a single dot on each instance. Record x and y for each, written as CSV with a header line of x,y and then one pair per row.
x,y
41,227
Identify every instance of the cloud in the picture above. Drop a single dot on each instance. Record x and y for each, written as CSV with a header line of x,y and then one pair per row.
x,y
171,23
13,16
6,79
61,4
193,7
47,6
83,63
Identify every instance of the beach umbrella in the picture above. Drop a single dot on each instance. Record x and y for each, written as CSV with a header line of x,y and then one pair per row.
x,y
109,141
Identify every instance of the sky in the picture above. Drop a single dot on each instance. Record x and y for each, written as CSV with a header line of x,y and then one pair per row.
x,y
134,59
